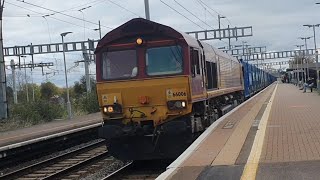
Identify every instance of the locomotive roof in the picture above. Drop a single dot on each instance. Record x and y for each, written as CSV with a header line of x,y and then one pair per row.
x,y
218,52
139,26
223,54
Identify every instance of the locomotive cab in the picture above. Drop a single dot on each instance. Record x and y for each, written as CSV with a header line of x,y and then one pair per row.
x,y
143,84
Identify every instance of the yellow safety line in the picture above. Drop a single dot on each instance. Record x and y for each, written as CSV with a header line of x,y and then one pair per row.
x,y
251,167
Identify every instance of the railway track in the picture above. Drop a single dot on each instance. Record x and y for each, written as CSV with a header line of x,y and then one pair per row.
x,y
68,165
27,151
141,170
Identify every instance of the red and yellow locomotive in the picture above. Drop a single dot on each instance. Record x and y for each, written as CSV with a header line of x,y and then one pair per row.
x,y
159,89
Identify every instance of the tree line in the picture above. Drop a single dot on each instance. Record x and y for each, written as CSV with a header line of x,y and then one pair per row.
x,y
47,101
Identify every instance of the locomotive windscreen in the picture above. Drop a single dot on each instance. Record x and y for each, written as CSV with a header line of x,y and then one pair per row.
x,y
164,60
119,64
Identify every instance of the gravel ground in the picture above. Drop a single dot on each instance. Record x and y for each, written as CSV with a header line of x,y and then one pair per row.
x,y
106,169
12,124
19,166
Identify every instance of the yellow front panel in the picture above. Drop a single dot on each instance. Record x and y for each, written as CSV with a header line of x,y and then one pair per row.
x,y
111,98
157,90
176,94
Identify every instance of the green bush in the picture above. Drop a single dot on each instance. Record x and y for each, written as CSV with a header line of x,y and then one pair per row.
x,y
36,112
49,111
89,103
25,112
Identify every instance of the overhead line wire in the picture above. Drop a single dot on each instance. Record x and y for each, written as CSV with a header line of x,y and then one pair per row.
x,y
206,7
42,15
193,14
82,5
182,14
214,10
188,18
62,13
124,8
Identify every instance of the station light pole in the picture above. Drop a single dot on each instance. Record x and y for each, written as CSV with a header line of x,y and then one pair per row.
x,y
300,48
305,43
66,76
316,51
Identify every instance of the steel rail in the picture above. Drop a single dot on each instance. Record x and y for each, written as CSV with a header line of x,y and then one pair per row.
x,y
42,169
113,174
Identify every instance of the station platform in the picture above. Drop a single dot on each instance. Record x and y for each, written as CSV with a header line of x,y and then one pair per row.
x,y
25,136
273,135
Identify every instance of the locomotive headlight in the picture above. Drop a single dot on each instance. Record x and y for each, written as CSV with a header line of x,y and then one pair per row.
x,y
139,41
105,109
183,104
178,104
110,109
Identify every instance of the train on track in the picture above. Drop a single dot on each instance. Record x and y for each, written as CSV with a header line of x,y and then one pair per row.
x,y
159,88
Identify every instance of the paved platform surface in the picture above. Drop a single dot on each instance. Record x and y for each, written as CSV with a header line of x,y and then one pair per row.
x,y
222,154
274,136
20,135
291,148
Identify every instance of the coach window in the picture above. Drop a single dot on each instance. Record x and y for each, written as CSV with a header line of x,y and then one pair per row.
x,y
209,75
195,61
192,63
212,75
203,65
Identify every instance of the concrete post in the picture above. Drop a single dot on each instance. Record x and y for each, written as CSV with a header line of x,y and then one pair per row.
x,y
13,68
86,70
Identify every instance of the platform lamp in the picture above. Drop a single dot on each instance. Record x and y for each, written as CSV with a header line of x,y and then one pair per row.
x,y
301,68
66,76
316,51
306,77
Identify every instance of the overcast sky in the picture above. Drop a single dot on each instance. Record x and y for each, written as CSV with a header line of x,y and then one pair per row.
x,y
276,24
